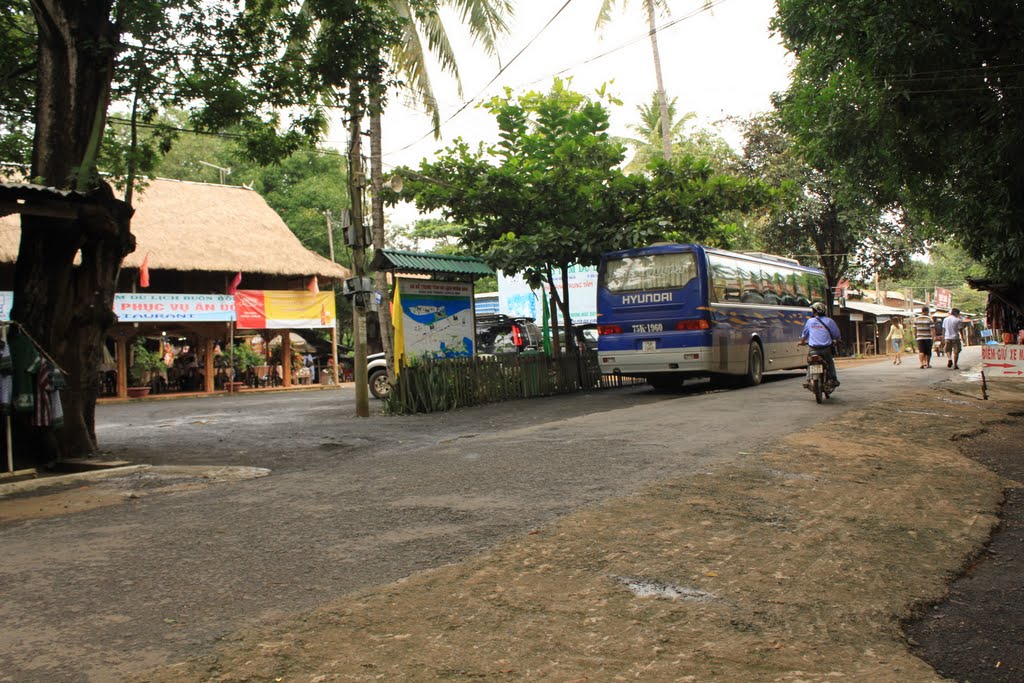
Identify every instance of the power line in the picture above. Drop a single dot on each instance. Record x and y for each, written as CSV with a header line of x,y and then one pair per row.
x,y
489,83
602,55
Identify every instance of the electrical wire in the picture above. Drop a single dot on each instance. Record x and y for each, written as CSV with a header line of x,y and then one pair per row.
x,y
502,70
627,43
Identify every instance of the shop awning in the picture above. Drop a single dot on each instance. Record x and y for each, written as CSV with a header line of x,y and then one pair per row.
x,y
876,309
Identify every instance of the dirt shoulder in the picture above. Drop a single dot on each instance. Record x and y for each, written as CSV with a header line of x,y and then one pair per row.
x,y
796,563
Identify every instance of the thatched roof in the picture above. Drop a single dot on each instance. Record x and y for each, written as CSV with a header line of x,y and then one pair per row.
x,y
199,227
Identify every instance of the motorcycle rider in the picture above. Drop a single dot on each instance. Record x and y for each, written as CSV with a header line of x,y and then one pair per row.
x,y
820,333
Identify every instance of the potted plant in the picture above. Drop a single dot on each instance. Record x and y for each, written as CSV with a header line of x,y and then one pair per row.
x,y
144,364
243,358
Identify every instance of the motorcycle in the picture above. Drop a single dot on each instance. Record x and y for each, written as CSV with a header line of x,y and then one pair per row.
x,y
817,380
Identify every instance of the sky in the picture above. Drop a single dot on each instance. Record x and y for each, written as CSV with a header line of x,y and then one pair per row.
x,y
718,63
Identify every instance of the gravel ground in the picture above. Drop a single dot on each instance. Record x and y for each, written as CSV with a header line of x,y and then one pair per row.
x,y
508,541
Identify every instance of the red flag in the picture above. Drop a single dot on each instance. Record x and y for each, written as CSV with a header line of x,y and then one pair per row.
x,y
237,280
144,272
313,286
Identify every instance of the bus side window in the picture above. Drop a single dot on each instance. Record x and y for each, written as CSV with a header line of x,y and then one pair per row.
x,y
752,289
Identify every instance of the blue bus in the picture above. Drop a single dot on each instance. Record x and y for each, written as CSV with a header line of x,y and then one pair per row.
x,y
669,312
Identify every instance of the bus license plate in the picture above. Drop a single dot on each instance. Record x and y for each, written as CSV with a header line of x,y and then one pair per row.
x,y
650,346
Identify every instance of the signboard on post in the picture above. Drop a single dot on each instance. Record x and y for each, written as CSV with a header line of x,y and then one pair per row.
x,y
433,318
999,362
943,298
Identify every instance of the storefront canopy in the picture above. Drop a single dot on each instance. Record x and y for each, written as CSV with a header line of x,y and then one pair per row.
x,y
876,309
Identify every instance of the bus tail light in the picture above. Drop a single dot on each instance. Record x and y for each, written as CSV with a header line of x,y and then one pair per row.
x,y
686,325
609,329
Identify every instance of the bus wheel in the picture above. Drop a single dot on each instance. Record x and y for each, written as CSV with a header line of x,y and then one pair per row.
x,y
755,366
666,383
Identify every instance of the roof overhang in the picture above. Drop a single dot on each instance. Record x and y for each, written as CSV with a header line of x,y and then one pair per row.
x,y
875,309
435,265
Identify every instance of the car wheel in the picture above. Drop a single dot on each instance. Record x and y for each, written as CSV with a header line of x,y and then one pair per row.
x,y
380,386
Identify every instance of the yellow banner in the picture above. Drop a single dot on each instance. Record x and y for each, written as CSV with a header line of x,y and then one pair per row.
x,y
284,309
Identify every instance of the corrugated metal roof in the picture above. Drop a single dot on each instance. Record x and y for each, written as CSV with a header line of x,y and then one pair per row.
x,y
430,264
875,309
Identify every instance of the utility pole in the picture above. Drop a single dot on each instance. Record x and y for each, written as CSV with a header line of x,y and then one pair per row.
x,y
356,183
330,234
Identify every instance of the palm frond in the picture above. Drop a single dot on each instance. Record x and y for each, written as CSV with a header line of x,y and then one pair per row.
x,y
485,20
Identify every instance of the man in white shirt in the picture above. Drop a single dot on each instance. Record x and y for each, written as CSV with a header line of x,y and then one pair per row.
x,y
951,337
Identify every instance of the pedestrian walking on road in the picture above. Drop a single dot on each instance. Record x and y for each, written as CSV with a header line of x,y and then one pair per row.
x,y
895,340
951,337
923,335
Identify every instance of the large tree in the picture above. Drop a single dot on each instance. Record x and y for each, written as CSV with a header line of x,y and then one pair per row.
x,y
818,218
550,193
918,101
486,21
226,63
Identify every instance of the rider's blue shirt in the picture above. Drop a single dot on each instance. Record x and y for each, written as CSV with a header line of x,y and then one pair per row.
x,y
816,331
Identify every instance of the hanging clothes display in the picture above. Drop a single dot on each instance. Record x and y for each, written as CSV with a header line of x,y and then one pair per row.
x,y
6,378
48,409
26,361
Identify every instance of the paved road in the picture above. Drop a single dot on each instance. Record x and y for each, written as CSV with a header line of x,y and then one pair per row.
x,y
351,503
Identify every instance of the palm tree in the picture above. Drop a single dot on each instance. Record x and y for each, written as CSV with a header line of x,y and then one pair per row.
x,y
485,20
648,142
604,16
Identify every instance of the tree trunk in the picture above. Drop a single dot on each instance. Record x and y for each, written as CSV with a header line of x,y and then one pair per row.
x,y
570,338
377,216
666,140
66,308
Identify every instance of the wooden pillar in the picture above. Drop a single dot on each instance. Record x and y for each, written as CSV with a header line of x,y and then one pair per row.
x,y
286,358
121,349
334,352
208,371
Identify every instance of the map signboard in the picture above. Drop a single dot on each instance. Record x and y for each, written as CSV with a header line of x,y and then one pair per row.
x,y
433,318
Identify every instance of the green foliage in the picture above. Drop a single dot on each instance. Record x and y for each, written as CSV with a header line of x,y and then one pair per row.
x,y
243,358
550,194
301,188
647,145
144,362
234,68
816,213
436,236
17,55
948,267
918,102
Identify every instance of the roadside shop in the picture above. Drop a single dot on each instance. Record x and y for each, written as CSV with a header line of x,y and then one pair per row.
x,y
215,270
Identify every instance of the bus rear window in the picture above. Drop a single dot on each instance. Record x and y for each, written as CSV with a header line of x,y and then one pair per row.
x,y
656,271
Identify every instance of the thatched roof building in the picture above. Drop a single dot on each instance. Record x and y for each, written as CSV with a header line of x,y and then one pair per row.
x,y
197,229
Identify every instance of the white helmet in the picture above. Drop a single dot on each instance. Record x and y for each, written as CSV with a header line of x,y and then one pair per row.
x,y
818,308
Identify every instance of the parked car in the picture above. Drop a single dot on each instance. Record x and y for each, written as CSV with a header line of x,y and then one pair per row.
x,y
586,336
377,375
498,333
